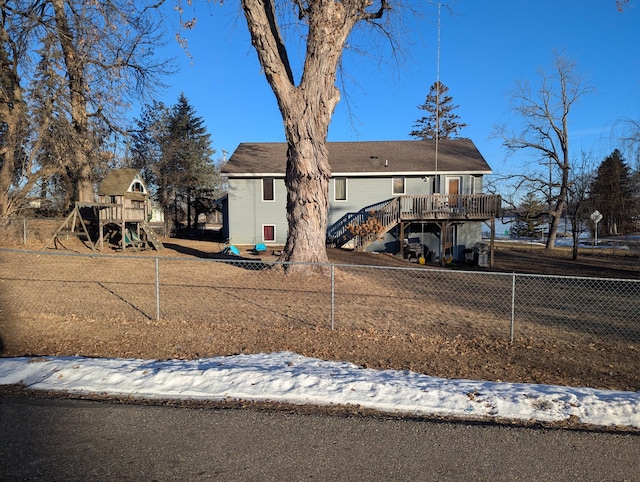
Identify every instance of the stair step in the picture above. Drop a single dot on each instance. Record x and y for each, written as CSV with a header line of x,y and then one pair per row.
x,y
152,237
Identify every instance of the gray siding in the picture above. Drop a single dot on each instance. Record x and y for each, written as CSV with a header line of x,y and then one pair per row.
x,y
248,213
365,191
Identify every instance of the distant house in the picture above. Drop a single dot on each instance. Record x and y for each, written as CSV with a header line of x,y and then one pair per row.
x,y
433,199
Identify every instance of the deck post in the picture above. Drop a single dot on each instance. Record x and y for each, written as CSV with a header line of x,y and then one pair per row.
x,y
492,244
124,232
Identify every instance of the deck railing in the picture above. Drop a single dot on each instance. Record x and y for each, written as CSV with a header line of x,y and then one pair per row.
x,y
338,234
434,207
450,206
119,212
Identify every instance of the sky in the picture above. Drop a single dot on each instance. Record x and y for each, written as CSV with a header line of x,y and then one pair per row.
x,y
485,48
287,377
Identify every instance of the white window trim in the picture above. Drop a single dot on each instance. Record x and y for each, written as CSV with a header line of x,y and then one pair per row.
x,y
475,180
404,186
274,233
273,188
346,190
460,184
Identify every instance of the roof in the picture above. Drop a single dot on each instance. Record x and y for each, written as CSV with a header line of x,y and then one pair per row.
x,y
366,158
118,182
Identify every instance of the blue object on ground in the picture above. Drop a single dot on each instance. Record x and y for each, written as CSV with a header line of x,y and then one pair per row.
x,y
234,250
260,247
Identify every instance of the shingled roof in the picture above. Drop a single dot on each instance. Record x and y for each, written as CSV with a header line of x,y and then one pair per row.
x,y
371,158
118,181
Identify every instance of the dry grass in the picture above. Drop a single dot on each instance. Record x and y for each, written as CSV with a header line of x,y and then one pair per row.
x,y
104,307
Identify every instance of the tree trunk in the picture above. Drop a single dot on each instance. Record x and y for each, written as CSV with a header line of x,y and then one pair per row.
x,y
307,181
306,112
561,202
78,105
556,218
190,224
12,111
7,168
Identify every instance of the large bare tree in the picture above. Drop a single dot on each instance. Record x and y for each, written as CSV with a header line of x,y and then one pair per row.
x,y
307,106
69,71
544,133
12,110
104,48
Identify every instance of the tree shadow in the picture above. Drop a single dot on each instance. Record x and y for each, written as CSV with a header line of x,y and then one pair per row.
x,y
4,316
252,264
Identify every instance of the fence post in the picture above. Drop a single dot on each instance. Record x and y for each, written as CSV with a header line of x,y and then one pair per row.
x,y
332,296
24,231
513,306
157,290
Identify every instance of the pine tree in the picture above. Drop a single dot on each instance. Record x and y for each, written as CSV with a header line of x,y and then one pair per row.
x,y
442,122
172,148
190,153
529,217
612,194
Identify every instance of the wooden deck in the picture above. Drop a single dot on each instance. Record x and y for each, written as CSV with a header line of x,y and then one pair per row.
x,y
438,208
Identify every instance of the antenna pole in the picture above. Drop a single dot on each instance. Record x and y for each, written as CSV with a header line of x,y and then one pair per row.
x,y
437,183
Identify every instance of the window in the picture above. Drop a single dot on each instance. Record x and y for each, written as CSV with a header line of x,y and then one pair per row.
x,y
137,187
340,188
268,232
398,185
475,184
268,193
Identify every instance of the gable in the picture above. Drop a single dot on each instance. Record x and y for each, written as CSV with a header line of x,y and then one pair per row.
x,y
120,182
376,158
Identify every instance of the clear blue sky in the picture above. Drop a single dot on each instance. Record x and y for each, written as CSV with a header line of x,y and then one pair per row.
x,y
485,47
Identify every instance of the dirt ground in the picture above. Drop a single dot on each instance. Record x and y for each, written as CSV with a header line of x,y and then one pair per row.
x,y
28,329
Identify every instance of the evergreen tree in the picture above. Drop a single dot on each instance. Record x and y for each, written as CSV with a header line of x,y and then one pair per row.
x,y
612,194
172,149
149,137
529,217
190,153
442,122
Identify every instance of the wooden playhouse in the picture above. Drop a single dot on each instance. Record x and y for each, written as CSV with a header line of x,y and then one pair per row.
x,y
121,214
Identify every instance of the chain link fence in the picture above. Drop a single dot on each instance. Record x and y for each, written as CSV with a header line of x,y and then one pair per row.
x,y
28,232
417,300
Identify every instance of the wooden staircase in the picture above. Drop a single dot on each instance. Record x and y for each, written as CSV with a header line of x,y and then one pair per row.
x,y
433,208
385,213
152,237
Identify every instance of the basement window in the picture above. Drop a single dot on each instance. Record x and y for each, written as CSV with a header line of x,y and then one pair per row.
x,y
268,233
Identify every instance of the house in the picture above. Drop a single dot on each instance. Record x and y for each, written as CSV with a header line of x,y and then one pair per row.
x,y
419,191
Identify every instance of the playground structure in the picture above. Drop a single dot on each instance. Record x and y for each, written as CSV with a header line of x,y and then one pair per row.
x,y
120,216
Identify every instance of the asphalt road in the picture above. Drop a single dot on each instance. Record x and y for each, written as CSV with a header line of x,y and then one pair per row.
x,y
87,440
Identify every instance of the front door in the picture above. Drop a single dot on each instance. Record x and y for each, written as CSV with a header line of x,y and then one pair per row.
x,y
453,189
